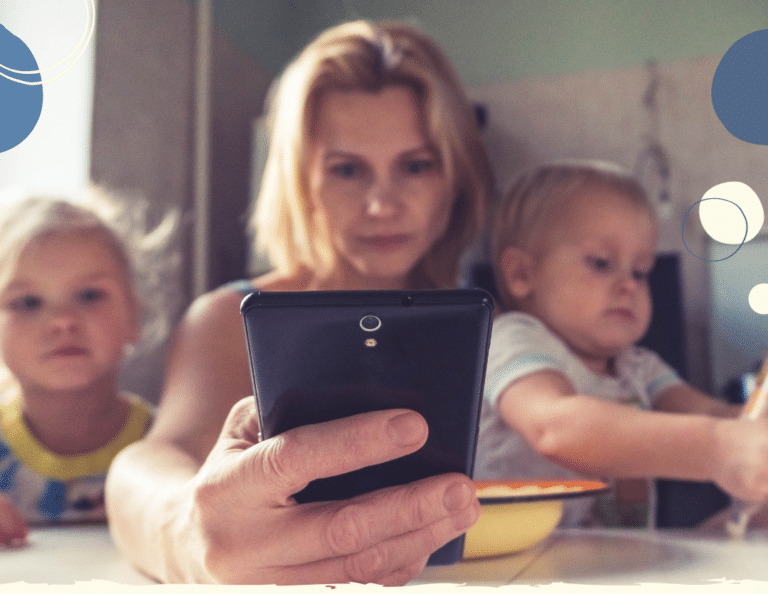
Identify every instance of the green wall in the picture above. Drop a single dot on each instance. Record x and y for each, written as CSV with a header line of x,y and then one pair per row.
x,y
492,40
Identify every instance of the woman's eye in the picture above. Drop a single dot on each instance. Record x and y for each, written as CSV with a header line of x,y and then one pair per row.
x,y
26,303
91,295
346,170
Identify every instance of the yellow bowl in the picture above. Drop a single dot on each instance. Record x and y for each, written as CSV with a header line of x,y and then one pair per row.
x,y
510,527
523,514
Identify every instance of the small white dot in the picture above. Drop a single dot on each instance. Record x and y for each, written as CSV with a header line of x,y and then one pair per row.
x,y
729,210
758,298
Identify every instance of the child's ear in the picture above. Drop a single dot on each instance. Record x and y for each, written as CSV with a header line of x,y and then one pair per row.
x,y
516,270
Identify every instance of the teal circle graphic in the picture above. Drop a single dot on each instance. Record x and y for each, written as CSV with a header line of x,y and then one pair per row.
x,y
738,247
20,104
740,88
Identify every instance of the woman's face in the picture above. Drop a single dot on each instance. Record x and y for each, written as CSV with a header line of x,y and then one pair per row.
x,y
376,185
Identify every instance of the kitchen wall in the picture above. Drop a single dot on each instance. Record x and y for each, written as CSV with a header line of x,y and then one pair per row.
x,y
159,131
142,126
497,40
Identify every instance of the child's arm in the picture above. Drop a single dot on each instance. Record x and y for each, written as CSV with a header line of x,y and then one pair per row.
x,y
684,398
13,528
604,438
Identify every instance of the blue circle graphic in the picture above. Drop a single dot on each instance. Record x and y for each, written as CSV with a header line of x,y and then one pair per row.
x,y
738,247
20,104
740,88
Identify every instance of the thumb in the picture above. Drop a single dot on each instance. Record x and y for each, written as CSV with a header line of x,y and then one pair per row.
x,y
241,427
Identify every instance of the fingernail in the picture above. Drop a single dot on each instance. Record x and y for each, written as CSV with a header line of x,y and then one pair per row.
x,y
464,520
405,429
457,496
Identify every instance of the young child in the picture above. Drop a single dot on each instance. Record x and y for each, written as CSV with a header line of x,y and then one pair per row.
x,y
568,394
69,311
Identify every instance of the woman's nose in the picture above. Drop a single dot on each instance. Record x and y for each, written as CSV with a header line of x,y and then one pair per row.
x,y
383,200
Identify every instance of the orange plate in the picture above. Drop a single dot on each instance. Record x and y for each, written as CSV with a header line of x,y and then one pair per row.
x,y
588,488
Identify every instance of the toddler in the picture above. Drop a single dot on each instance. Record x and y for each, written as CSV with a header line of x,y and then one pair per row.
x,y
568,394
69,311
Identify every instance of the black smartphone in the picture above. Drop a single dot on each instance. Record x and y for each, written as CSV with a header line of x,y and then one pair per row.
x,y
322,355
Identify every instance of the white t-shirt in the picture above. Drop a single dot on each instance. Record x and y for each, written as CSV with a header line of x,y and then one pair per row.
x,y
521,345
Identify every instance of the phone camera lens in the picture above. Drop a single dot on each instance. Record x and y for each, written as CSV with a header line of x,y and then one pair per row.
x,y
407,300
370,323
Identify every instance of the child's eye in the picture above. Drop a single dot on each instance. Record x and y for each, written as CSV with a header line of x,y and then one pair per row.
x,y
419,166
640,275
598,263
26,303
91,295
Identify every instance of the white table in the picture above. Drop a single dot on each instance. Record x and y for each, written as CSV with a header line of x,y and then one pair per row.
x,y
66,555
615,557
627,557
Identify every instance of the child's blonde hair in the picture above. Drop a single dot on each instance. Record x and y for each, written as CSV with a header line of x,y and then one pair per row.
x,y
528,211
148,259
365,56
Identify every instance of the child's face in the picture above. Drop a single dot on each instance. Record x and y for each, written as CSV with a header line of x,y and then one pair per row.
x,y
66,314
590,281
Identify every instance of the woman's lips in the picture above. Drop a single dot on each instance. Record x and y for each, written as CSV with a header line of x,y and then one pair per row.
x,y
68,351
386,242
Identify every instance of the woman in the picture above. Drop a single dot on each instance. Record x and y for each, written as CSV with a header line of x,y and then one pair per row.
x,y
376,179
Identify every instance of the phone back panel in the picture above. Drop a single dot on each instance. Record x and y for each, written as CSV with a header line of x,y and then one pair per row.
x,y
314,359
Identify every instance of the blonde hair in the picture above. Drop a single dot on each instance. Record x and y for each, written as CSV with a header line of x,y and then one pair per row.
x,y
148,259
365,56
528,211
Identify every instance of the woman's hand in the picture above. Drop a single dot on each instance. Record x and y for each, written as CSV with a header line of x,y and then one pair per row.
x,y
244,527
13,528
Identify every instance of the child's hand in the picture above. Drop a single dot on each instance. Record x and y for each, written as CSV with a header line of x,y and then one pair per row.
x,y
13,528
718,523
741,467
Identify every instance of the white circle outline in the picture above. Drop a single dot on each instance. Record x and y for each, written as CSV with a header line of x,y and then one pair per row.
x,y
88,32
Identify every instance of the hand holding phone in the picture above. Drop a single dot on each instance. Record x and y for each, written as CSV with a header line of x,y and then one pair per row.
x,y
320,356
